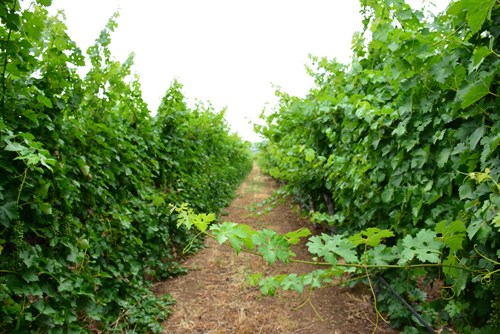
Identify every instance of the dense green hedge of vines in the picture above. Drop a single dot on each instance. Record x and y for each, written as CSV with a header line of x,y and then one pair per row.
x,y
405,138
86,179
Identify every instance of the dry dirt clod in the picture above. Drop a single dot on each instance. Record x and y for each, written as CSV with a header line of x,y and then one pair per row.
x,y
214,298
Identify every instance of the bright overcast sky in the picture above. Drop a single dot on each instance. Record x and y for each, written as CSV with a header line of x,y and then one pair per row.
x,y
228,52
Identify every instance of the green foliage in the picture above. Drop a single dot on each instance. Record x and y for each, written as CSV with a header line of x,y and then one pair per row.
x,y
331,248
370,237
418,256
238,235
272,246
394,141
265,243
87,176
293,237
423,246
188,218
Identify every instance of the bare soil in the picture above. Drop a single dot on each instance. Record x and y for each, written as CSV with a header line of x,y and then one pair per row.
x,y
214,296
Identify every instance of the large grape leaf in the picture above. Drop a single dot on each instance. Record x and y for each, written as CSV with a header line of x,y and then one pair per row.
x,y
477,11
371,236
330,247
238,235
476,90
272,246
424,246
8,213
293,237
452,235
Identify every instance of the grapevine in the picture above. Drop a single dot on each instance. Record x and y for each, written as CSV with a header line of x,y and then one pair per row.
x,y
85,175
405,138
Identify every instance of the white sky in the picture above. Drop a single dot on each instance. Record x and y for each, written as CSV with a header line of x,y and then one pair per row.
x,y
228,52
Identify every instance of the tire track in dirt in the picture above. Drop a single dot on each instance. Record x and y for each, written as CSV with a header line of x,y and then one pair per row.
x,y
214,297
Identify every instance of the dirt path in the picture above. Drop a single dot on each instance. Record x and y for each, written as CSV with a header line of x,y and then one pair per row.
x,y
214,297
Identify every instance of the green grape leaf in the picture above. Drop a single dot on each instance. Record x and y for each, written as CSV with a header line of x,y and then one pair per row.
x,y
293,282
44,100
30,256
476,137
188,218
400,130
202,221
387,194
478,228
478,11
269,285
66,285
184,214
15,147
330,247
476,90
459,277
272,246
238,235
455,308
478,58
443,157
45,3
381,255
253,279
73,253
310,154
425,247
30,275
466,191
316,278
496,221
452,235
371,236
8,212
293,237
